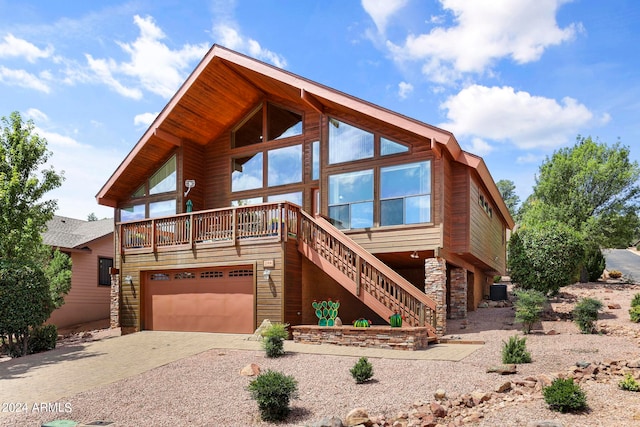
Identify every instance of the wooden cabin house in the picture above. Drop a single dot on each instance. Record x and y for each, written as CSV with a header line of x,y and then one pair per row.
x,y
256,191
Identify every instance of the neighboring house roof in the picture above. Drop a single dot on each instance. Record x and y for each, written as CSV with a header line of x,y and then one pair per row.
x,y
221,91
71,233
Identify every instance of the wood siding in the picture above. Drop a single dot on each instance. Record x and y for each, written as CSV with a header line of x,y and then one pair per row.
x,y
487,234
86,301
268,291
292,262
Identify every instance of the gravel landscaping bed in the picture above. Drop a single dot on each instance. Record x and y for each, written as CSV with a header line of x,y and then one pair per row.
x,y
207,389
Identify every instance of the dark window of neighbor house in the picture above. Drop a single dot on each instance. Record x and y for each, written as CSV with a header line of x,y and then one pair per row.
x,y
104,265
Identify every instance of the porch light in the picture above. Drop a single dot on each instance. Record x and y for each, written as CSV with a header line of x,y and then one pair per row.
x,y
128,280
189,183
266,274
414,255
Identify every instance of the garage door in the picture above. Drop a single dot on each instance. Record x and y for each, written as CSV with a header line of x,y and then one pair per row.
x,y
204,300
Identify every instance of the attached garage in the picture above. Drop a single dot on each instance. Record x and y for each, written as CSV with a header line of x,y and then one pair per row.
x,y
215,299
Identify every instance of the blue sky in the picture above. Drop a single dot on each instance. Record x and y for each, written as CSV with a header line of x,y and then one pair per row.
x,y
514,80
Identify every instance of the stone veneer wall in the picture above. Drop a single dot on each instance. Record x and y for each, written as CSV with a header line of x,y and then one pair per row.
x,y
115,301
458,302
405,338
435,286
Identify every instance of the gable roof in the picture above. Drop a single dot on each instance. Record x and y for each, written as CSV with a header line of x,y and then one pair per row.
x,y
223,88
71,233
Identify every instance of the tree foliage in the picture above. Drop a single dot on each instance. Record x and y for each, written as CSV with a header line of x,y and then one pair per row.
x,y
508,191
545,257
33,280
593,188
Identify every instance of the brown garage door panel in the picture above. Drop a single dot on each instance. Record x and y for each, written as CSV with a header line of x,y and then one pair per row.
x,y
224,306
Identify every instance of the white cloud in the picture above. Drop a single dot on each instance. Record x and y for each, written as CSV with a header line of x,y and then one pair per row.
x,y
86,169
529,158
478,146
36,115
20,48
23,78
153,66
404,89
381,10
144,119
231,38
502,114
485,31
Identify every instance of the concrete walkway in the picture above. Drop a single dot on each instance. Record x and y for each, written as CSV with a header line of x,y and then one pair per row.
x,y
66,371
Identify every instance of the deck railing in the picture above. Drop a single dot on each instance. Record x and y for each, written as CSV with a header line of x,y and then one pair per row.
x,y
367,273
275,220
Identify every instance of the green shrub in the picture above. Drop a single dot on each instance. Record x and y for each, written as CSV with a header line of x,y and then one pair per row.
x,y
634,314
515,351
585,314
529,304
362,371
531,248
273,391
274,337
43,338
594,263
629,383
564,395
635,301
497,279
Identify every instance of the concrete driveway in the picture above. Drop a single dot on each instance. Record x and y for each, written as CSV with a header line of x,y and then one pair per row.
x,y
72,369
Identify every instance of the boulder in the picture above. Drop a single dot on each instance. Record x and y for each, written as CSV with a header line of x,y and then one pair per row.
x,y
503,369
440,394
250,370
504,387
438,410
357,416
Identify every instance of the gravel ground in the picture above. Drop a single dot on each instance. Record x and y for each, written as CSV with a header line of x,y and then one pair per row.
x,y
207,390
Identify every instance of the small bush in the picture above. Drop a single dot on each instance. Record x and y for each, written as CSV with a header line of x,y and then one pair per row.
x,y
594,263
362,371
635,301
634,314
273,391
515,351
529,305
497,279
564,395
615,274
585,314
43,338
629,383
274,337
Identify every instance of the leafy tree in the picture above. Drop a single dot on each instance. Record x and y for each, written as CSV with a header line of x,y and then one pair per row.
x,y
508,191
92,217
545,257
593,188
23,183
33,281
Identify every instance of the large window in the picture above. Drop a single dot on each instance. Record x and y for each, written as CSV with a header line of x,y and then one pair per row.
x,y
132,213
162,208
164,180
104,267
348,143
295,197
284,165
281,123
405,194
247,173
351,199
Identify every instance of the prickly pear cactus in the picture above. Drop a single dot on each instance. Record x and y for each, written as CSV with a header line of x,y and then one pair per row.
x,y
326,311
395,320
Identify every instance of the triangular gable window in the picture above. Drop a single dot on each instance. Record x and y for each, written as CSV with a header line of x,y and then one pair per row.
x,y
388,147
283,123
140,192
249,132
164,180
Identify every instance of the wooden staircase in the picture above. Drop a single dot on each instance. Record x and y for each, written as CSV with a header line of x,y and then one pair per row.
x,y
361,273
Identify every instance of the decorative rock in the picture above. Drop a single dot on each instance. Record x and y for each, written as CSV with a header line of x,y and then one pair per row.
x,y
440,394
582,364
327,422
483,304
633,364
437,410
544,423
551,332
503,369
337,322
257,334
250,370
357,416
614,306
504,387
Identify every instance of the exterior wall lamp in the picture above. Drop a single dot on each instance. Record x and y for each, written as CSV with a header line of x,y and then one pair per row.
x,y
266,274
128,280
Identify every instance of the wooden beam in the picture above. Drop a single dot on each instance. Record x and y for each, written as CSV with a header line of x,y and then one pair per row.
x,y
312,101
436,148
166,136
